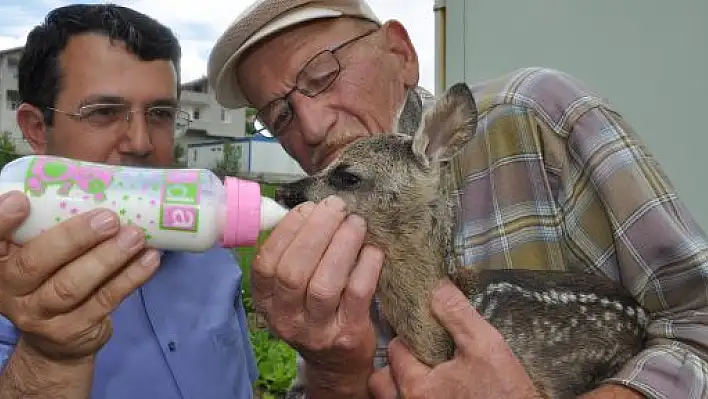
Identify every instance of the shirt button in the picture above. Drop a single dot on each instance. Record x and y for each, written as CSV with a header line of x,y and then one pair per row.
x,y
172,346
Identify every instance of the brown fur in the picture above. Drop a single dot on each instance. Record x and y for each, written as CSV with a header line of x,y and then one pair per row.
x,y
569,330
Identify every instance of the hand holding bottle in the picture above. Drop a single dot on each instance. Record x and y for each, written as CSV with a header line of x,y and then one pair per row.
x,y
60,287
83,231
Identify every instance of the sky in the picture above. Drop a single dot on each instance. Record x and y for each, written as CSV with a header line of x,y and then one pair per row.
x,y
198,27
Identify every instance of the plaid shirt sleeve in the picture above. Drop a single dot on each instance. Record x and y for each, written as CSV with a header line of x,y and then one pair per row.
x,y
556,179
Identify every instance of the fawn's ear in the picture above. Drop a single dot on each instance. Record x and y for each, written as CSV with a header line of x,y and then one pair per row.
x,y
408,116
448,126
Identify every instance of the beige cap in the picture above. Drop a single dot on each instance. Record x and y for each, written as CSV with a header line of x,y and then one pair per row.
x,y
264,18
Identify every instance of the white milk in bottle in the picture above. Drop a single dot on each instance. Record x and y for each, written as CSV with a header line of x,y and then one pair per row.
x,y
178,209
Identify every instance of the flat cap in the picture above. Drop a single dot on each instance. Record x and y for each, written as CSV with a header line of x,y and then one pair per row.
x,y
260,20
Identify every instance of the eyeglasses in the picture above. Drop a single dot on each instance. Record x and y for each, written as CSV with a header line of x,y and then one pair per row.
x,y
117,117
316,76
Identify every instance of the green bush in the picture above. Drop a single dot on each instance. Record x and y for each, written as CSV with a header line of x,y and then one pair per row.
x,y
277,365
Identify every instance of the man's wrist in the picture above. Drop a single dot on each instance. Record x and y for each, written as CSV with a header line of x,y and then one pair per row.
x,y
32,356
28,373
326,383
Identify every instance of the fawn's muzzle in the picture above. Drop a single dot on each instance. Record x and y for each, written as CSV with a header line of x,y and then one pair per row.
x,y
290,195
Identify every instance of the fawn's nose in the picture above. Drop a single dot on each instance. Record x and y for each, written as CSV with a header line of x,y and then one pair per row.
x,y
290,195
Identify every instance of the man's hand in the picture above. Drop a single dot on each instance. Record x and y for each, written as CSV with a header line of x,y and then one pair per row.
x,y
314,284
612,391
483,367
60,288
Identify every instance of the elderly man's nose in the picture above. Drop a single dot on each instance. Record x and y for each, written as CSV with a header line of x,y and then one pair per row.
x,y
315,120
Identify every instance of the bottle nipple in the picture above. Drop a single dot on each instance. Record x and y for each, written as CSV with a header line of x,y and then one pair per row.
x,y
271,213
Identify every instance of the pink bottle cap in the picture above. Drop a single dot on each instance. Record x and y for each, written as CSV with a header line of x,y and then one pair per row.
x,y
243,213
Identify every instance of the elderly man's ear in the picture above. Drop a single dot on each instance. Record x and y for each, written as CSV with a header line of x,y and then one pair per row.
x,y
399,43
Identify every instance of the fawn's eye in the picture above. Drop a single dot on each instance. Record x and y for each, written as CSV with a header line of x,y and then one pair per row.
x,y
342,179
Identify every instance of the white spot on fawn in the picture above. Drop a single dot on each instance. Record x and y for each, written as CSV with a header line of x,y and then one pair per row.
x,y
585,301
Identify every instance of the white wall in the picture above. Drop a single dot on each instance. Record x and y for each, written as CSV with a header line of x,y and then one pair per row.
x,y
210,117
648,57
204,155
269,157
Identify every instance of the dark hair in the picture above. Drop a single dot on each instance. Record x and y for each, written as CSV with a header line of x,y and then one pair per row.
x,y
39,77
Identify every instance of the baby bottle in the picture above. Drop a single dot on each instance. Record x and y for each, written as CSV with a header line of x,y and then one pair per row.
x,y
178,209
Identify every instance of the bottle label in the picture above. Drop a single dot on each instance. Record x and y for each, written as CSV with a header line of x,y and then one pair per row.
x,y
180,201
154,199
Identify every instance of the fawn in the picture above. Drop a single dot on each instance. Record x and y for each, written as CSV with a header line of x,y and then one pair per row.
x,y
570,330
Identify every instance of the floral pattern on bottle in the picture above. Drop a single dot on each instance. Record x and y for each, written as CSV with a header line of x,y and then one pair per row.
x,y
91,180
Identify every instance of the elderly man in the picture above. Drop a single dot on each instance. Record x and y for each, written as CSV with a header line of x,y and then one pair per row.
x,y
554,179
89,310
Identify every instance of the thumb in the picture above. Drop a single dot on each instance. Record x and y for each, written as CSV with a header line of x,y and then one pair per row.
x,y
14,208
405,369
382,385
457,315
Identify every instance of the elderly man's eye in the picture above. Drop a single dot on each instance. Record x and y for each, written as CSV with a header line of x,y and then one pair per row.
x,y
282,119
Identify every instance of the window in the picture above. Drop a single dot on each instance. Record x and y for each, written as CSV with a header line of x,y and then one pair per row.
x,y
12,65
225,116
195,114
13,100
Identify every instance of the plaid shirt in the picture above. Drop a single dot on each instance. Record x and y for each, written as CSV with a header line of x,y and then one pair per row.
x,y
556,179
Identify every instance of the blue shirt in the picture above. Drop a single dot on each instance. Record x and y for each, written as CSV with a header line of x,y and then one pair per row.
x,y
183,335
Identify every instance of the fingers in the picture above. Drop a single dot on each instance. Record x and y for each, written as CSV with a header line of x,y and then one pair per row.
x,y
129,279
458,316
76,281
271,252
306,249
356,303
406,370
14,208
332,275
382,385
42,256
82,331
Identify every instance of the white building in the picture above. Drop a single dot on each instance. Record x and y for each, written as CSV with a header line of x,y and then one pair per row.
x,y
10,98
210,127
647,57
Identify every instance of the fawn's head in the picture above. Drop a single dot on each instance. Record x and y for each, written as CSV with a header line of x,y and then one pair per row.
x,y
393,180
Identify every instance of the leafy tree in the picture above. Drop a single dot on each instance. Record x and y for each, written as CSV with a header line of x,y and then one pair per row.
x,y
178,156
8,150
250,119
230,163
